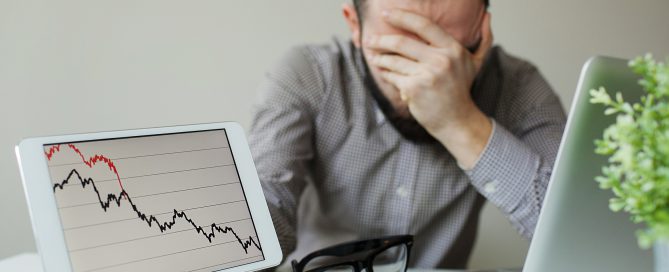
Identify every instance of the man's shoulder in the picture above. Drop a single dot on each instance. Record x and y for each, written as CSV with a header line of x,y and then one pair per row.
x,y
518,84
305,74
519,77
510,65
317,60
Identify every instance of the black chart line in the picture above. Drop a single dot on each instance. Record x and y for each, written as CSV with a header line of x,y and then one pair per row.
x,y
106,204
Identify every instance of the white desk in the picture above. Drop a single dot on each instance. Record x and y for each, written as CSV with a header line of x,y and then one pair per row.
x,y
31,262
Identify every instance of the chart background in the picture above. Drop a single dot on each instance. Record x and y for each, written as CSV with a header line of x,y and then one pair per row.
x,y
190,172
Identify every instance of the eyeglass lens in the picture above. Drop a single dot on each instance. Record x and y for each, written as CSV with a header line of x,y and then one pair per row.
x,y
393,259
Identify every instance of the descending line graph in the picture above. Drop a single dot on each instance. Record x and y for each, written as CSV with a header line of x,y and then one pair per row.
x,y
150,220
196,176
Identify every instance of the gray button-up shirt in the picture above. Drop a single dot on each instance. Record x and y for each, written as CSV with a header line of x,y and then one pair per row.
x,y
315,124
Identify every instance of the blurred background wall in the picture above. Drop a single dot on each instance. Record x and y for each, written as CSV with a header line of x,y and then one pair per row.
x,y
79,66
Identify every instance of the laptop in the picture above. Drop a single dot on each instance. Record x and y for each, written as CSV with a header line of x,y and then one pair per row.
x,y
576,230
182,198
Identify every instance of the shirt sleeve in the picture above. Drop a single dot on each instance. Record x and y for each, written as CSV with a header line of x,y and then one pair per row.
x,y
514,169
281,138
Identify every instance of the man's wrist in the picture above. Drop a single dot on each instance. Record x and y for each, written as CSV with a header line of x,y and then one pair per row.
x,y
467,137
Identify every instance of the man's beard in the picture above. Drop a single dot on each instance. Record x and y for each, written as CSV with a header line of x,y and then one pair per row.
x,y
408,127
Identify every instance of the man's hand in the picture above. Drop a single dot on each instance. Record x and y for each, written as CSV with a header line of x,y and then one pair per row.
x,y
434,77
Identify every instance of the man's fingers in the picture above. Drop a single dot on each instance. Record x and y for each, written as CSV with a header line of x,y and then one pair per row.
x,y
398,44
396,80
419,25
486,41
395,63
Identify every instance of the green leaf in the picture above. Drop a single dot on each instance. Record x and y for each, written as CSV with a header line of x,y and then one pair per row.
x,y
610,111
616,204
645,240
600,96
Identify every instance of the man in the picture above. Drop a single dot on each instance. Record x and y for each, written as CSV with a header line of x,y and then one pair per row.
x,y
407,128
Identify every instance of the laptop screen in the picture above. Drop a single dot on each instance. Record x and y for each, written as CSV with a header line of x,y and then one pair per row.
x,y
171,202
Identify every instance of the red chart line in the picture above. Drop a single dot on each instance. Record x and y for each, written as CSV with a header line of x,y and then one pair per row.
x,y
90,162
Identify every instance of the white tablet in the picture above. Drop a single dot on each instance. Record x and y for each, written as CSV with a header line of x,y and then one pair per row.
x,y
184,198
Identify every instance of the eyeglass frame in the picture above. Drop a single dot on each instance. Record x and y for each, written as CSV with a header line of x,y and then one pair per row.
x,y
358,264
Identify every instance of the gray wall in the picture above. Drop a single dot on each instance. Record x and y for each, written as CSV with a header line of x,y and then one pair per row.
x,y
78,66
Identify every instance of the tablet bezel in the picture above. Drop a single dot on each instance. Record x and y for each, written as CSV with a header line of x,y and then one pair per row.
x,y
50,240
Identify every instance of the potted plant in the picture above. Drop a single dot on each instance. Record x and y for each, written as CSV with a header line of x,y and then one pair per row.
x,y
638,148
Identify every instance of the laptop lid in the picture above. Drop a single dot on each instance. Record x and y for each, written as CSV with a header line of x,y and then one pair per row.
x,y
576,230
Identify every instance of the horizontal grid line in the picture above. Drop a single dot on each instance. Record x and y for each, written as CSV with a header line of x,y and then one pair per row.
x,y
155,174
226,263
141,156
161,193
152,236
178,252
155,214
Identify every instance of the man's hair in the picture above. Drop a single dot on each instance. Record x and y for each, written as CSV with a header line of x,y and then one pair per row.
x,y
360,7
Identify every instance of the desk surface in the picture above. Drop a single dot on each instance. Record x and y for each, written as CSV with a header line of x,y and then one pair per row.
x,y
31,262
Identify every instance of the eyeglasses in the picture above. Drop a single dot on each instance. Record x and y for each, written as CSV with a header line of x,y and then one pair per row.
x,y
386,254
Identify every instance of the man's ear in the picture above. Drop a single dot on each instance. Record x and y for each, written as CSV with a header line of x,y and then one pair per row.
x,y
351,17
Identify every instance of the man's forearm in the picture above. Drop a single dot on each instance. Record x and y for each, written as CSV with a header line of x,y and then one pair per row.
x,y
466,138
513,176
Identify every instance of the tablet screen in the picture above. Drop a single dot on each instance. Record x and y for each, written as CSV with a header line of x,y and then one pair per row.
x,y
171,202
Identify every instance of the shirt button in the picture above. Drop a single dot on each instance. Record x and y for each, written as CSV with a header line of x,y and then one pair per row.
x,y
490,187
401,191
